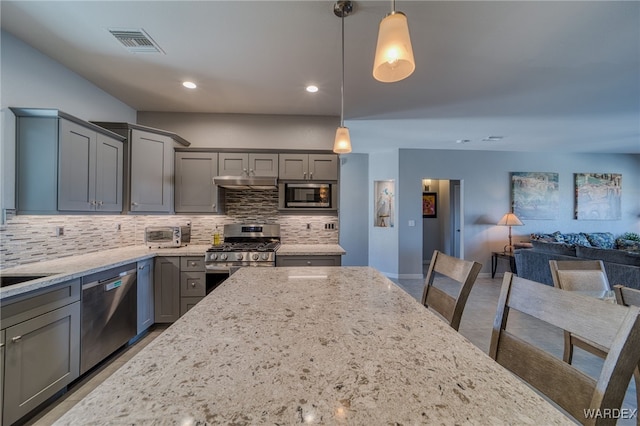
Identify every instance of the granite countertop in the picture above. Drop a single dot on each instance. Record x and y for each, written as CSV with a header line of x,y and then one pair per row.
x,y
68,268
310,250
71,267
335,345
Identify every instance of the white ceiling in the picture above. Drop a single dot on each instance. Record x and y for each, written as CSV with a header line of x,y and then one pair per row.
x,y
548,76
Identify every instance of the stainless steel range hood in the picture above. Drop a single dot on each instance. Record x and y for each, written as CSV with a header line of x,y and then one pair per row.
x,y
242,182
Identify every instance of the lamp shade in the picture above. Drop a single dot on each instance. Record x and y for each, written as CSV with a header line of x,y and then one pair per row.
x,y
342,144
394,54
510,219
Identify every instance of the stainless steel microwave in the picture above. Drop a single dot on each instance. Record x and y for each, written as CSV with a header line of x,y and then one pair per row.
x,y
167,236
307,195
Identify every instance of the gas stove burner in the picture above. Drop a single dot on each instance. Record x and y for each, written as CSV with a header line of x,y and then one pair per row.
x,y
244,245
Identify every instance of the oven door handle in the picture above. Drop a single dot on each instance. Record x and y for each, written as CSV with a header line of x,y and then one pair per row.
x,y
216,268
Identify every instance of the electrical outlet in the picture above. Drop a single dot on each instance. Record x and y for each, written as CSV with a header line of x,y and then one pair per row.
x,y
308,226
58,231
118,227
329,226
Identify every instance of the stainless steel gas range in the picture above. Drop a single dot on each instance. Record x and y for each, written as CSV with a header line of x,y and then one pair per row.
x,y
244,245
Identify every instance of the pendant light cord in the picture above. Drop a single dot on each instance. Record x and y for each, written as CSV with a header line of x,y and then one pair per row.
x,y
342,85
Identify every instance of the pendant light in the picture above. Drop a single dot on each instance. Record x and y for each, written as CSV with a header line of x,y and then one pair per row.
x,y
394,54
342,144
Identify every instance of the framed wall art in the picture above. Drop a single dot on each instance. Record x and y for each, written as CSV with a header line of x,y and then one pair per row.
x,y
383,195
598,196
429,204
535,195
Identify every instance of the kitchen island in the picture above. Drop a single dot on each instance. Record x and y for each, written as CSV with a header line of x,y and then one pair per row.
x,y
335,345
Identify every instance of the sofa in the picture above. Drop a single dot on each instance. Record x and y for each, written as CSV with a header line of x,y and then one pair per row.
x,y
621,258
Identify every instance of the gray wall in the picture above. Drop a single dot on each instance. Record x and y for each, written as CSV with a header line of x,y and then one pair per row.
x,y
353,214
250,131
487,195
32,80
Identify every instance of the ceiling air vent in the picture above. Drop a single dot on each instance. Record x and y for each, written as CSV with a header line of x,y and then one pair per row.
x,y
136,40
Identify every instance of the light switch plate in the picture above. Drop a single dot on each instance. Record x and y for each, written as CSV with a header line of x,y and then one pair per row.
x,y
412,223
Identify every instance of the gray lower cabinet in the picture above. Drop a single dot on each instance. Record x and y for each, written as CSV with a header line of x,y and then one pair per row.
x,y
193,285
194,188
66,164
309,260
145,316
166,289
42,347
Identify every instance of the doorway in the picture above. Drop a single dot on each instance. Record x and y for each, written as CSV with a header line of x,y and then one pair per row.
x,y
442,226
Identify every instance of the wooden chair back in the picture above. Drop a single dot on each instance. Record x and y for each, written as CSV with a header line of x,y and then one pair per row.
x,y
580,275
626,296
464,272
612,326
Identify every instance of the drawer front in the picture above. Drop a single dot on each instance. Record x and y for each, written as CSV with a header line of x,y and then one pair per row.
x,y
308,260
192,263
193,284
187,303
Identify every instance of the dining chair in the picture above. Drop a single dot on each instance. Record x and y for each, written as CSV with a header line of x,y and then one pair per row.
x,y
584,276
612,326
464,272
627,296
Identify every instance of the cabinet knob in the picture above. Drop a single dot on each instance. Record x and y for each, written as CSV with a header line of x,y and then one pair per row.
x,y
213,206
134,204
100,202
309,262
310,175
304,175
193,284
193,263
16,339
1,345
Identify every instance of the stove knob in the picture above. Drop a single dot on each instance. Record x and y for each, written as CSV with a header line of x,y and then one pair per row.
x,y
265,256
255,256
214,256
239,256
223,256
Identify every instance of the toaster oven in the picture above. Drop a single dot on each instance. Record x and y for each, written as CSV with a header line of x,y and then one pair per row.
x,y
167,236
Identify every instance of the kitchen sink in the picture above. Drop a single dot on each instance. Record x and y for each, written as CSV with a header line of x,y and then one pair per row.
x,y
9,280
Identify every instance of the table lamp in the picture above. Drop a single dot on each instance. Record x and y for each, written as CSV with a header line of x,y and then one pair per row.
x,y
509,219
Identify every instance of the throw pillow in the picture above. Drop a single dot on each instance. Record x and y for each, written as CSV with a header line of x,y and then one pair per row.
x,y
575,239
554,248
601,239
628,245
543,237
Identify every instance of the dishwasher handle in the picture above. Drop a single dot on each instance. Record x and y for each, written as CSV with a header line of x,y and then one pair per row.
x,y
109,283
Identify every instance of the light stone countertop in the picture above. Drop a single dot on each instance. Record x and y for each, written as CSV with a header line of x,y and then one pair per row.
x,y
310,250
71,267
335,345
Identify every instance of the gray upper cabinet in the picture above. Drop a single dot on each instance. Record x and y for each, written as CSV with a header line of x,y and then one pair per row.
x,y
248,164
194,188
90,175
149,167
66,164
318,167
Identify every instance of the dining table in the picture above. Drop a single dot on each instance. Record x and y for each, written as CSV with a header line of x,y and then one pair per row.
x,y
311,345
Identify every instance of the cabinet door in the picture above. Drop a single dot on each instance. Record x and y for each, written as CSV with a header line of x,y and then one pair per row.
x,y
166,288
233,164
77,170
293,166
42,357
109,174
323,167
263,164
151,172
145,295
194,188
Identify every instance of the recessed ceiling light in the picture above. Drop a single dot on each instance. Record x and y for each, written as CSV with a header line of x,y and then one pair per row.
x,y
463,141
312,89
189,85
492,138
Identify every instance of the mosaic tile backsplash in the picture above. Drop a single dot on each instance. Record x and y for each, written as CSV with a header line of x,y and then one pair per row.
x,y
26,238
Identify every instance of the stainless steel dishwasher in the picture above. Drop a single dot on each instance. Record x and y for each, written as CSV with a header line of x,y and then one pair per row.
x,y
108,313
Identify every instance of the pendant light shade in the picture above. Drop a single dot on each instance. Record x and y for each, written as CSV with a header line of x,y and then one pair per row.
x,y
394,54
342,144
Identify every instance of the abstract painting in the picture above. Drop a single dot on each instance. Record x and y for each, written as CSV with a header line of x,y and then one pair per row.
x,y
535,195
598,196
383,194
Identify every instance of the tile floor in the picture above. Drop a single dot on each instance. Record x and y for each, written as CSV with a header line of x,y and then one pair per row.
x,y
476,325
